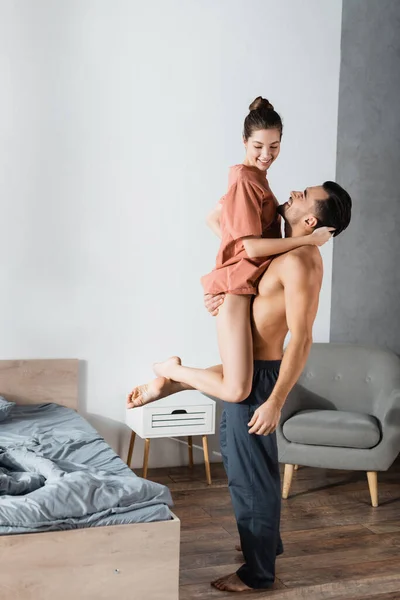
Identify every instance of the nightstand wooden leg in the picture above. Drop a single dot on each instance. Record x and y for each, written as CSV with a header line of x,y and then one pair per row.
x,y
146,457
130,451
206,459
190,448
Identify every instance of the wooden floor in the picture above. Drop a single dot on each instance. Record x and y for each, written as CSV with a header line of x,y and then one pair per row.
x,y
337,546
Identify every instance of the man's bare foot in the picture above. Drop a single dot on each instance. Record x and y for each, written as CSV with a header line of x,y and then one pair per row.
x,y
163,369
230,583
149,392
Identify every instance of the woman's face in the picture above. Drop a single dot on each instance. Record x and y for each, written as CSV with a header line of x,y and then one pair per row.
x,y
262,148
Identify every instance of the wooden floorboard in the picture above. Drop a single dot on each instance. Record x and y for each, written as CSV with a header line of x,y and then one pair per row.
x,y
337,546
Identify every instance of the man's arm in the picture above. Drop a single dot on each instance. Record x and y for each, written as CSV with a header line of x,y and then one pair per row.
x,y
301,280
302,284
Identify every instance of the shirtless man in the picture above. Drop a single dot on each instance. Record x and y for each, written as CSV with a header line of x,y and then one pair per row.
x,y
287,300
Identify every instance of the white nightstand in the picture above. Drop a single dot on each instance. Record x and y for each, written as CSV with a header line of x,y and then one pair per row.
x,y
184,414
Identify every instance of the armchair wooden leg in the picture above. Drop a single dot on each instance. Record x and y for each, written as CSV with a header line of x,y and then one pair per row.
x,y
373,487
146,457
287,480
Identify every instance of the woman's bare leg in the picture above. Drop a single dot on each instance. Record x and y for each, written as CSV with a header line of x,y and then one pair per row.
x,y
235,345
158,388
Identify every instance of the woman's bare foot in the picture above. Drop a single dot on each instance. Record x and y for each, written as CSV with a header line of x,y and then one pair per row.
x,y
164,369
149,392
230,583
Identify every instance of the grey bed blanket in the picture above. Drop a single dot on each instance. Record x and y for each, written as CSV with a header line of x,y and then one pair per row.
x,y
60,474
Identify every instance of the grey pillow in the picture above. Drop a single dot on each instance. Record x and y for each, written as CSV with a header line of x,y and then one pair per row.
x,y
5,408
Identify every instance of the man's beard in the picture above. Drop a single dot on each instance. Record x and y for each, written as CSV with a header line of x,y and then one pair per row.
x,y
292,217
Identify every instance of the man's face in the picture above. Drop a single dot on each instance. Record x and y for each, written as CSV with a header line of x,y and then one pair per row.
x,y
301,205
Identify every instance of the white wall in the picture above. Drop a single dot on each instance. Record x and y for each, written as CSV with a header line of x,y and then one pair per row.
x,y
118,121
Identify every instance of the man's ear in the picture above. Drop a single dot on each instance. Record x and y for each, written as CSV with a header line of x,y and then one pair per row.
x,y
311,222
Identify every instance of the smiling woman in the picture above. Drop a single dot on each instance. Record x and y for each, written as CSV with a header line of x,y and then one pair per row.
x,y
262,134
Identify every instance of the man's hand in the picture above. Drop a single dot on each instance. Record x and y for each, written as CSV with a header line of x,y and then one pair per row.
x,y
212,302
266,418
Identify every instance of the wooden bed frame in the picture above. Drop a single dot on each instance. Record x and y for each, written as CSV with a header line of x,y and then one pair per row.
x,y
138,561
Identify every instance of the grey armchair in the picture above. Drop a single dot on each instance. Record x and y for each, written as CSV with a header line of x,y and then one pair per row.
x,y
344,413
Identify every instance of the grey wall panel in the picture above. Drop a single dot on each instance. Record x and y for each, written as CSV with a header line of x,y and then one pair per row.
x,y
366,258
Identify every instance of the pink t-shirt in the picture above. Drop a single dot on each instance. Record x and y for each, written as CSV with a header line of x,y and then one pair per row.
x,y
249,208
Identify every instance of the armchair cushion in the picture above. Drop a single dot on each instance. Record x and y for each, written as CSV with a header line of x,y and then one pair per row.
x,y
332,428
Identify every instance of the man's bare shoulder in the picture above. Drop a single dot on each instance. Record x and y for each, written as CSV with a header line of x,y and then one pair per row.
x,y
304,262
307,255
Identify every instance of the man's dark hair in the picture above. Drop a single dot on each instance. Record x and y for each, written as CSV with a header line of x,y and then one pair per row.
x,y
336,210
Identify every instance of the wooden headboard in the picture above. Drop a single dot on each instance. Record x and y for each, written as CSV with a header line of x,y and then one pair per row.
x,y
39,381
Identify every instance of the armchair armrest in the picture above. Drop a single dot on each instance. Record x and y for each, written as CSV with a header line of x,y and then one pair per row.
x,y
385,404
387,411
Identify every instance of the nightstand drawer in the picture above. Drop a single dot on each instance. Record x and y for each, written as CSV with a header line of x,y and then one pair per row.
x,y
173,420
186,413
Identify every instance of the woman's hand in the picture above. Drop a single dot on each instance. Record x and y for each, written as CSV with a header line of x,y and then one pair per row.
x,y
212,302
321,235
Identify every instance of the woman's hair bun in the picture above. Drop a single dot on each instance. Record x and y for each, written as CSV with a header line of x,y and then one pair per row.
x,y
261,104
262,115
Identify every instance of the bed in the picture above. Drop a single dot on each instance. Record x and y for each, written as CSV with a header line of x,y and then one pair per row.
x,y
133,560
